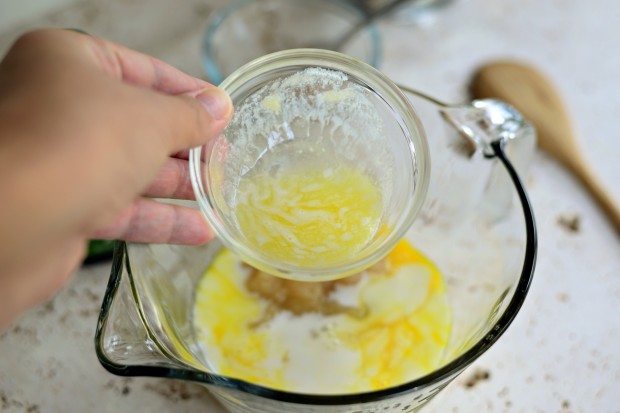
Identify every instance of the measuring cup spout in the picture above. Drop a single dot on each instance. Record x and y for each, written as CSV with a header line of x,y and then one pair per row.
x,y
124,344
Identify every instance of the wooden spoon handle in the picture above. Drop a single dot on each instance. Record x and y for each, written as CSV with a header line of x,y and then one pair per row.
x,y
598,191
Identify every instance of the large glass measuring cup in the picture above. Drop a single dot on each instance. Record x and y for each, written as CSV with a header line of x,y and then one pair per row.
x,y
475,224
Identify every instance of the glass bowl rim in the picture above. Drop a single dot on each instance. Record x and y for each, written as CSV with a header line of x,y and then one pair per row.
x,y
404,114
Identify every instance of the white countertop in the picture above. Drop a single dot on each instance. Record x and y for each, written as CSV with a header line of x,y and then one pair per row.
x,y
562,353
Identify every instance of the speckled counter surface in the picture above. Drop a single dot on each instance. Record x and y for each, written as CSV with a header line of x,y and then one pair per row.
x,y
562,354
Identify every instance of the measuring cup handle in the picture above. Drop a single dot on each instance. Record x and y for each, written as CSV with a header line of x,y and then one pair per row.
x,y
531,237
484,121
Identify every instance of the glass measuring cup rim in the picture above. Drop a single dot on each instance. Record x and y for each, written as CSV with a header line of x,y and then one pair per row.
x,y
256,74
438,378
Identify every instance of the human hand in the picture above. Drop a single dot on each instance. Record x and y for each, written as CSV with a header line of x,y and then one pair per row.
x,y
89,132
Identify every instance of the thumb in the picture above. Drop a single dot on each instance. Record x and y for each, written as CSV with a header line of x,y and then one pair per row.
x,y
193,119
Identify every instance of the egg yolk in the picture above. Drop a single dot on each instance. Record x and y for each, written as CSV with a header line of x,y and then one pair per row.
x,y
385,326
309,216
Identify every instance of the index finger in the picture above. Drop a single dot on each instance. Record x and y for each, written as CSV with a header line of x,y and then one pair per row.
x,y
141,69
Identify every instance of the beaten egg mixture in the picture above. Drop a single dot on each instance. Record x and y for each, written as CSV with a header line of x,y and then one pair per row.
x,y
377,329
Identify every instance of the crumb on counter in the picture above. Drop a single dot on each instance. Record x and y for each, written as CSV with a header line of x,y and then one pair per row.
x,y
570,222
477,377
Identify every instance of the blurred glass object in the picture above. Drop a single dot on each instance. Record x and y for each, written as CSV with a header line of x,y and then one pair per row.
x,y
248,29
412,10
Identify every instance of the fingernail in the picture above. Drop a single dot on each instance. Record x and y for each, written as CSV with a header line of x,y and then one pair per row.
x,y
216,101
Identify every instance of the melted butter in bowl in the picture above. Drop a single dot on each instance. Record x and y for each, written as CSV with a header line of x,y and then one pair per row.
x,y
385,326
309,215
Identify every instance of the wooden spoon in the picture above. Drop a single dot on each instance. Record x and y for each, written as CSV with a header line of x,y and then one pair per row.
x,y
535,97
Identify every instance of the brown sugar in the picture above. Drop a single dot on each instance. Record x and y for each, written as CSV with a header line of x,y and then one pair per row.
x,y
301,297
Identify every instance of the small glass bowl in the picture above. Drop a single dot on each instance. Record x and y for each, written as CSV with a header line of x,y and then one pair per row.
x,y
376,129
248,29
